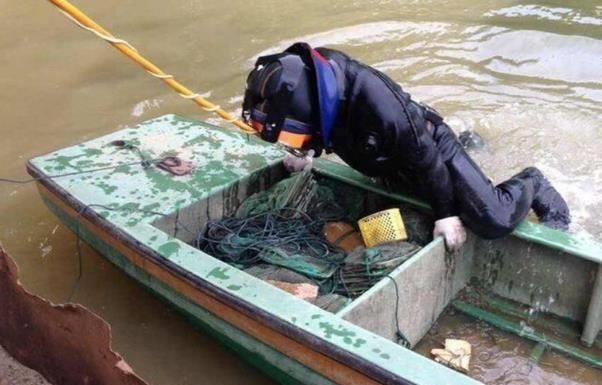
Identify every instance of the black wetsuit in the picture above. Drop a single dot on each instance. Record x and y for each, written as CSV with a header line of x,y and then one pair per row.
x,y
374,135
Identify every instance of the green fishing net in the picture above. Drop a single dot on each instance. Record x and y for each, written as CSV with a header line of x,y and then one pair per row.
x,y
283,227
297,195
364,267
294,193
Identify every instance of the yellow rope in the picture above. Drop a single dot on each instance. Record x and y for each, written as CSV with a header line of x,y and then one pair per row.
x,y
191,96
111,39
83,21
161,76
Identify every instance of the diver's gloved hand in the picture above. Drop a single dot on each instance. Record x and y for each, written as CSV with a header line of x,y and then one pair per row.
x,y
452,229
294,163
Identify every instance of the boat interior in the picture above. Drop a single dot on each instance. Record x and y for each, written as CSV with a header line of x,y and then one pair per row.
x,y
515,285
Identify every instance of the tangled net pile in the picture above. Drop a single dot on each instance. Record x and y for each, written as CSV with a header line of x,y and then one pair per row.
x,y
280,237
283,226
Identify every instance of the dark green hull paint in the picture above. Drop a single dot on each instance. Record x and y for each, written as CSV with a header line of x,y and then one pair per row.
x,y
177,302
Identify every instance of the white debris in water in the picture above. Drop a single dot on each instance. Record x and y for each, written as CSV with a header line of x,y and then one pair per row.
x,y
587,20
531,311
459,124
46,250
541,12
525,329
143,106
236,99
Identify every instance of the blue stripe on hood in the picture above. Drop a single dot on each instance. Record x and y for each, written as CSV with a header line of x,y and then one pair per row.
x,y
328,94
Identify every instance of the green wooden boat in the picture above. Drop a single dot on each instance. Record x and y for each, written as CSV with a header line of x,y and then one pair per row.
x,y
131,213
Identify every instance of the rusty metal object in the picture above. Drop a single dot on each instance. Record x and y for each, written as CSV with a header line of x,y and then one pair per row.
x,y
67,344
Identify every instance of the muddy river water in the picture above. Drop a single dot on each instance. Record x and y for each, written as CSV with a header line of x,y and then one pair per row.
x,y
526,75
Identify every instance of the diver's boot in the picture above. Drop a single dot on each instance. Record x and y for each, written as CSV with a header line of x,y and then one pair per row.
x,y
549,206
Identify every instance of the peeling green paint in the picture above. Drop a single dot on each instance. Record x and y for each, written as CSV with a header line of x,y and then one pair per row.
x,y
340,331
123,169
129,208
62,162
169,248
141,195
92,152
84,162
107,188
234,287
219,273
151,207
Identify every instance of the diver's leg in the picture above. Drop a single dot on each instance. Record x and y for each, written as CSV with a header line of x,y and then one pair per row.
x,y
489,211
494,211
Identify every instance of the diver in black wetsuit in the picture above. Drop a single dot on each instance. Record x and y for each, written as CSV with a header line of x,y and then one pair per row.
x,y
324,100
